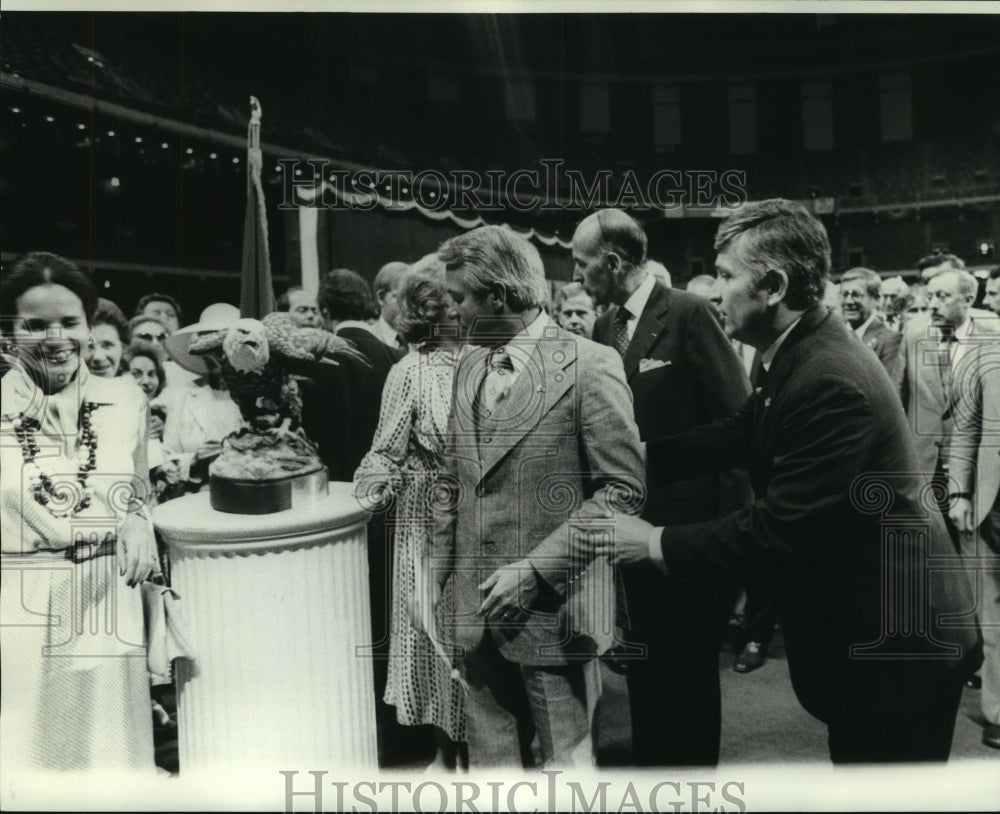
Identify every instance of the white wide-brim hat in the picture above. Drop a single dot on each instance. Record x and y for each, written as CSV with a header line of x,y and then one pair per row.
x,y
219,316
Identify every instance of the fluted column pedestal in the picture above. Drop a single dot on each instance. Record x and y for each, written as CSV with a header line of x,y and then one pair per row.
x,y
276,608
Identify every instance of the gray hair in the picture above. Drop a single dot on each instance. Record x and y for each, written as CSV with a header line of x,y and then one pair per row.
x,y
968,285
390,276
871,279
783,234
569,291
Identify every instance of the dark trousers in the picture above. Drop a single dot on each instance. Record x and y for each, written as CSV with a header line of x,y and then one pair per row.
x,y
924,736
674,693
760,611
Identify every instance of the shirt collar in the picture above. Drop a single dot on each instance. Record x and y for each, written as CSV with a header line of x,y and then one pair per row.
x,y
522,345
385,332
860,330
637,302
768,356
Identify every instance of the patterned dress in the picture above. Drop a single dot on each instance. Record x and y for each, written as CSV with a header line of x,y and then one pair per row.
x,y
405,458
75,683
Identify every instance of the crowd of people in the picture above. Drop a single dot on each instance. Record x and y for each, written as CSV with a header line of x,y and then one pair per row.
x,y
553,483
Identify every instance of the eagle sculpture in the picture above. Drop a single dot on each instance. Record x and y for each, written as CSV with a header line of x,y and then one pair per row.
x,y
254,354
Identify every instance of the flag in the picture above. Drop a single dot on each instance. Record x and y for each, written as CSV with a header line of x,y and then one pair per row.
x,y
256,288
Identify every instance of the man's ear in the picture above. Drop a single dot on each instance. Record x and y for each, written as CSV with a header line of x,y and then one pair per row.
x,y
775,283
613,261
497,297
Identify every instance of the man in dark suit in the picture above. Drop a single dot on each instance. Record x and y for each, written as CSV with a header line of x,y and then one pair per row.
x,y
841,520
341,412
860,293
541,430
683,372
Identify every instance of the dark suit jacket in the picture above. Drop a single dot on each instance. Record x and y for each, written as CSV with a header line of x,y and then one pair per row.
x,y
341,403
886,344
701,380
833,465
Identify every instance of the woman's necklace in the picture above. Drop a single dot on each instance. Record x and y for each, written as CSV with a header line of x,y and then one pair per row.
x,y
44,491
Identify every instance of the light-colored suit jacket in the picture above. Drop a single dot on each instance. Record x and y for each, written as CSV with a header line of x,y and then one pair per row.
x,y
886,343
974,451
562,442
928,410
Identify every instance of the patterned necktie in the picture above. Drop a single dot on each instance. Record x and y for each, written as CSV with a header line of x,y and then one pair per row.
x,y
499,369
619,331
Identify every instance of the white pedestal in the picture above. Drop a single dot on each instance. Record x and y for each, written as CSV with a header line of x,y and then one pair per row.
x,y
277,612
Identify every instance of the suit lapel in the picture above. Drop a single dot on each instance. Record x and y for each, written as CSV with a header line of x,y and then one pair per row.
x,y
652,322
533,395
783,362
469,377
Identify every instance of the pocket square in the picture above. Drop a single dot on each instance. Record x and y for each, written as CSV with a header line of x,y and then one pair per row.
x,y
651,364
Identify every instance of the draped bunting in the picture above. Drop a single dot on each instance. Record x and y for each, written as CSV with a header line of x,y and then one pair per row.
x,y
363,201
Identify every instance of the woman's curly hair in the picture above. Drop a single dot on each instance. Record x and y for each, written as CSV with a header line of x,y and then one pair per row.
x,y
423,301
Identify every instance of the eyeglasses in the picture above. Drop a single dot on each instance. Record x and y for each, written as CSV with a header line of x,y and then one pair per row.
x,y
147,337
942,296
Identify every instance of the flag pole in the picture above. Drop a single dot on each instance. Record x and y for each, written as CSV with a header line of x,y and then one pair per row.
x,y
256,286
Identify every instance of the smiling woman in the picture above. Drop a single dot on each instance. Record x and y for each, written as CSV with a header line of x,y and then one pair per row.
x,y
77,538
108,338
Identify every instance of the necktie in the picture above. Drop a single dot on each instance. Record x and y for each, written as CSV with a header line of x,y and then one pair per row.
x,y
619,331
948,342
499,369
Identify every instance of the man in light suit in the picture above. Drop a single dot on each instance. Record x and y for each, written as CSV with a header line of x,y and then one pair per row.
x,y
860,294
683,372
973,464
839,521
541,429
931,356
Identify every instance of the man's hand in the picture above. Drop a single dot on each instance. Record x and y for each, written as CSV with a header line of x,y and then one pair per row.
x,y
208,451
155,427
624,541
510,589
961,515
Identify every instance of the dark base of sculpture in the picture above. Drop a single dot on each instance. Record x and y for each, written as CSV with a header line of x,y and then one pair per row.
x,y
267,496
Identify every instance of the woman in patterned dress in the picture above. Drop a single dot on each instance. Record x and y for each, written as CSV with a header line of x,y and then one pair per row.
x,y
403,464
77,537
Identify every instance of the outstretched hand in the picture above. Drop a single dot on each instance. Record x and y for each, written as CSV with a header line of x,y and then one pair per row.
x,y
626,540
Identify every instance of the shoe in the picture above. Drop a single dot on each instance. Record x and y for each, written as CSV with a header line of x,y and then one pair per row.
x,y
974,682
991,735
750,659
